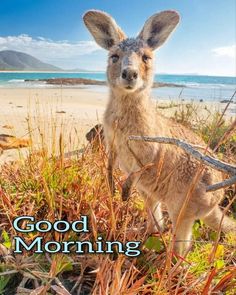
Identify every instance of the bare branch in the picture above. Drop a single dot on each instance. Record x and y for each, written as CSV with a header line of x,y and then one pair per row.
x,y
208,160
222,184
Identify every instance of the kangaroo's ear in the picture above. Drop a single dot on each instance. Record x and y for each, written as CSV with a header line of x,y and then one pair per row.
x,y
103,28
158,28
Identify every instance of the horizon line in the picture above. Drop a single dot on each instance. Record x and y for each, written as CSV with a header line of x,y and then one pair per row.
x,y
104,72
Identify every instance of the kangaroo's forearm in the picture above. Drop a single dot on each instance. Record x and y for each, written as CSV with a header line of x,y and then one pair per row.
x,y
127,187
111,161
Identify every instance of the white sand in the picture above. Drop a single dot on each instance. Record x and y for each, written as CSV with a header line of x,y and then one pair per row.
x,y
80,110
83,109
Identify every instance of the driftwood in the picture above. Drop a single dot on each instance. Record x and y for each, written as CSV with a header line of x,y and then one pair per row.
x,y
207,160
11,142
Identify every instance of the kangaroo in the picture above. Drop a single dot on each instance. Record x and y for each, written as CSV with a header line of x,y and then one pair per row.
x,y
162,173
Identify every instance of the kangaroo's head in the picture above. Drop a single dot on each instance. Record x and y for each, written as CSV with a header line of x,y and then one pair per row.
x,y
130,62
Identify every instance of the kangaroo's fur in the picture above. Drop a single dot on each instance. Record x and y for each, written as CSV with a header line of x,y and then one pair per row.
x,y
163,173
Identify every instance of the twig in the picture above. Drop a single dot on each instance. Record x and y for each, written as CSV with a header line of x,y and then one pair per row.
x,y
59,283
9,272
208,160
223,184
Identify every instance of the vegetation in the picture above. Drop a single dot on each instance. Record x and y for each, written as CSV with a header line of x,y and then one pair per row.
x,y
52,187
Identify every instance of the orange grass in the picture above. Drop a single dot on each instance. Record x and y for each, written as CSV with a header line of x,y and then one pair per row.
x,y
50,186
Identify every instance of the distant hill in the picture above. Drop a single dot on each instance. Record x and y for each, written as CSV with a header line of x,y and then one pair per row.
x,y
19,61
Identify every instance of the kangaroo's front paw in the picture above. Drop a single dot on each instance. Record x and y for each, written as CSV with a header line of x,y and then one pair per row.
x,y
125,192
111,185
112,189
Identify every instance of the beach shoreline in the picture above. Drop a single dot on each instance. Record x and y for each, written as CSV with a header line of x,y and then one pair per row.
x,y
171,86
74,111
84,81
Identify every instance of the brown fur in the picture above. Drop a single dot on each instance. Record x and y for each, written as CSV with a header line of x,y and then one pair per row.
x,y
163,173
96,137
95,134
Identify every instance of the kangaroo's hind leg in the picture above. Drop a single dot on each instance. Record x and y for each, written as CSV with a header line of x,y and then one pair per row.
x,y
111,161
214,220
127,186
182,230
155,216
183,235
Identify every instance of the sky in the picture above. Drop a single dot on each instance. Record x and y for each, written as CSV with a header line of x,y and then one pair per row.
x,y
53,31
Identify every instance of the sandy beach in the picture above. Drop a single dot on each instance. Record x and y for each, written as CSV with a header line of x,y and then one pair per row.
x,y
47,113
77,105
43,114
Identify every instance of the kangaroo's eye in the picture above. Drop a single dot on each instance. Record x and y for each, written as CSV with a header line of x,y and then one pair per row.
x,y
145,58
115,58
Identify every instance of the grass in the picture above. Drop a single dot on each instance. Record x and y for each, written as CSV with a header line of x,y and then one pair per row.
x,y
218,133
53,187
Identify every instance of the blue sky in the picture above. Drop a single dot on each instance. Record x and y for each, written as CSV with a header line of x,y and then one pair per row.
x,y
53,31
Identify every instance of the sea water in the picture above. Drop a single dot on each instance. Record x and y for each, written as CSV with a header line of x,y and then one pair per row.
x,y
191,87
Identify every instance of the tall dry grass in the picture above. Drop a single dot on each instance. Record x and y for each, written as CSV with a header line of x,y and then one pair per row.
x,y
51,186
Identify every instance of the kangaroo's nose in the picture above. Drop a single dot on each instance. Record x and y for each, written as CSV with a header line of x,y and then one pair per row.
x,y
129,74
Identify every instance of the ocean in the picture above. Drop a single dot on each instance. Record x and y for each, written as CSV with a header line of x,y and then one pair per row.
x,y
206,88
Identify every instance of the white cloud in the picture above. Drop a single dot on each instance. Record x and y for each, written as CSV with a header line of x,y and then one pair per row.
x,y
57,52
226,51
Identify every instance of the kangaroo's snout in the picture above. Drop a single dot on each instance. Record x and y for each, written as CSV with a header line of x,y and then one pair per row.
x,y
129,78
129,74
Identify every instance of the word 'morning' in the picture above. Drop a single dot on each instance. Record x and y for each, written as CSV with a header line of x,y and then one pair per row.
x,y
80,247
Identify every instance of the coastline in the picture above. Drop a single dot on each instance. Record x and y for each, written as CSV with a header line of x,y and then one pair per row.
x,y
104,72
84,81
166,86
69,111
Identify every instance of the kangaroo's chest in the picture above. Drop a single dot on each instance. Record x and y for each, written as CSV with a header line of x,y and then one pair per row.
x,y
132,155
